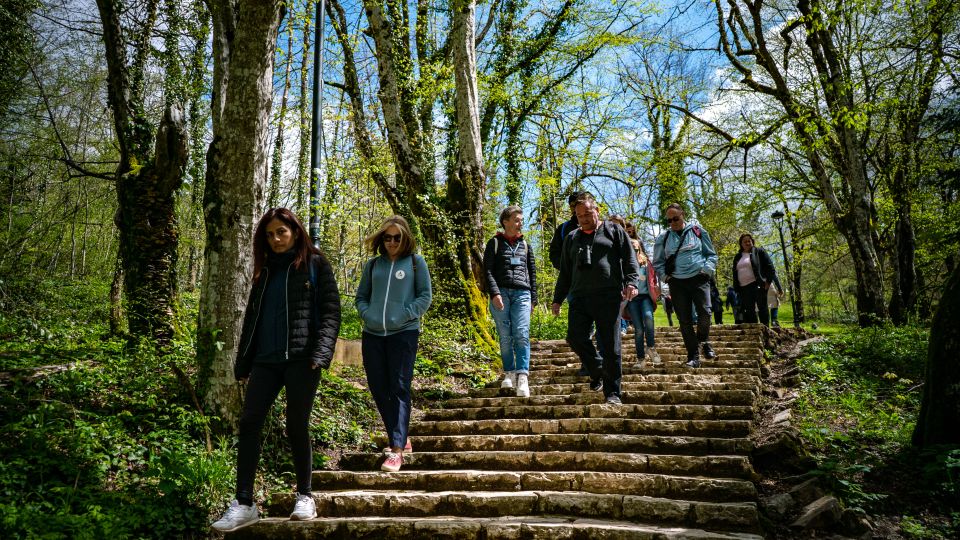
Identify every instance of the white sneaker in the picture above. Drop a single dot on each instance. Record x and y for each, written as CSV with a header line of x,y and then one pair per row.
x,y
305,508
523,388
507,380
238,515
654,355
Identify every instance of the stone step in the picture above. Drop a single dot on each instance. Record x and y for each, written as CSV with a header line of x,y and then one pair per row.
x,y
632,386
718,466
414,503
627,426
598,410
661,346
668,361
650,485
559,374
462,528
583,442
629,395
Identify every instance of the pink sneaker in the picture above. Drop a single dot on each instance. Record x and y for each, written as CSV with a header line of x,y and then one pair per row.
x,y
392,463
408,449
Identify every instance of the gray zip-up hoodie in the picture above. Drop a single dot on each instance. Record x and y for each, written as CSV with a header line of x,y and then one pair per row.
x,y
392,295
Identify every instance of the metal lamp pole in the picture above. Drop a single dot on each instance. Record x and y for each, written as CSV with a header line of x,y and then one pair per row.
x,y
316,127
778,219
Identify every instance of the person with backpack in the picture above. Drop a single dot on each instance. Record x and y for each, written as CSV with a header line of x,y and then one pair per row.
x,y
510,271
289,334
643,305
599,272
753,273
556,246
393,295
684,257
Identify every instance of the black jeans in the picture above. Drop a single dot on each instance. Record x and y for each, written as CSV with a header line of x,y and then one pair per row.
x,y
689,294
388,361
605,312
753,298
266,380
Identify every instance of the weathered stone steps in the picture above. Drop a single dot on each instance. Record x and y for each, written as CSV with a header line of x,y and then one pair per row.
x,y
462,528
583,442
718,397
359,503
599,410
627,386
651,485
671,462
626,426
720,466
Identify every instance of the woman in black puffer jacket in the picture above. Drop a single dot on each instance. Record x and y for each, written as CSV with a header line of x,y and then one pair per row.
x,y
289,334
753,272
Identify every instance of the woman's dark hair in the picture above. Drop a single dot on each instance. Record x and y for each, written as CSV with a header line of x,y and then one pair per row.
x,y
742,236
408,244
301,244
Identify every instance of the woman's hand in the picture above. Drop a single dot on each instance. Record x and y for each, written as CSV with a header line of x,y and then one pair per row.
x,y
498,302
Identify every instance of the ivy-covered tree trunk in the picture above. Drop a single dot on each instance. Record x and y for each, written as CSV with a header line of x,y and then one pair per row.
x,y
237,163
147,179
940,409
448,248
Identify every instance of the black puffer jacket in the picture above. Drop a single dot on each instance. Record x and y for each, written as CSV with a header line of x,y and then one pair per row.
x,y
500,274
313,312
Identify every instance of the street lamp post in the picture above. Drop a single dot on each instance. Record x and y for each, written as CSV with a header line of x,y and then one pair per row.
x,y
778,219
316,128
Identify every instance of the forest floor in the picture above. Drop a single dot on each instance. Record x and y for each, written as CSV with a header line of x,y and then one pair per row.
x,y
850,400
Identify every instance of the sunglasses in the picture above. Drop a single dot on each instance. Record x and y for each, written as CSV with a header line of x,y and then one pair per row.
x,y
673,219
392,237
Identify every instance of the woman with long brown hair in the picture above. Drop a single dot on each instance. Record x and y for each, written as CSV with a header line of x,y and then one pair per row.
x,y
643,305
289,334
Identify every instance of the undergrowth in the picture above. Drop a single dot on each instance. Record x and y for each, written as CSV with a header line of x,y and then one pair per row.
x,y
100,440
860,394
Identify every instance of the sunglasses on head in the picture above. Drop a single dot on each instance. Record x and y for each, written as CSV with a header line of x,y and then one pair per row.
x,y
392,237
672,219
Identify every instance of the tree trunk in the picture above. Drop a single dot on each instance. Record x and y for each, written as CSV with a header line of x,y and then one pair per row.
x,y
276,167
237,163
468,186
147,221
147,180
116,299
940,409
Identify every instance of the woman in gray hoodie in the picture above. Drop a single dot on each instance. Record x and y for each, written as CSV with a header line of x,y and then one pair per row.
x,y
394,293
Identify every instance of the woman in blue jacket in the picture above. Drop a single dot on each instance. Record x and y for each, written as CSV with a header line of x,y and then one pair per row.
x,y
394,293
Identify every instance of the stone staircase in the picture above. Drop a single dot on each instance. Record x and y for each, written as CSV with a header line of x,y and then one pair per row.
x,y
671,462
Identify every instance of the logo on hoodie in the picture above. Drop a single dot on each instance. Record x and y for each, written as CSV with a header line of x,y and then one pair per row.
x,y
400,274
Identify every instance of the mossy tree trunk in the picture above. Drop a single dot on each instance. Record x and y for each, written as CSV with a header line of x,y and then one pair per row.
x,y
150,171
939,416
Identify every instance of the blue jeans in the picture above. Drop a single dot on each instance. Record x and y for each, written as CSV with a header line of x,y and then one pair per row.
x,y
641,311
513,326
388,361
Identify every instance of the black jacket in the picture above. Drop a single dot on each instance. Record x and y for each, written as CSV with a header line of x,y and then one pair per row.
x,y
614,264
762,267
556,244
500,274
313,313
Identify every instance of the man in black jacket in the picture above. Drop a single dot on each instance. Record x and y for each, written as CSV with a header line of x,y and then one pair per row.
x,y
565,228
599,272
